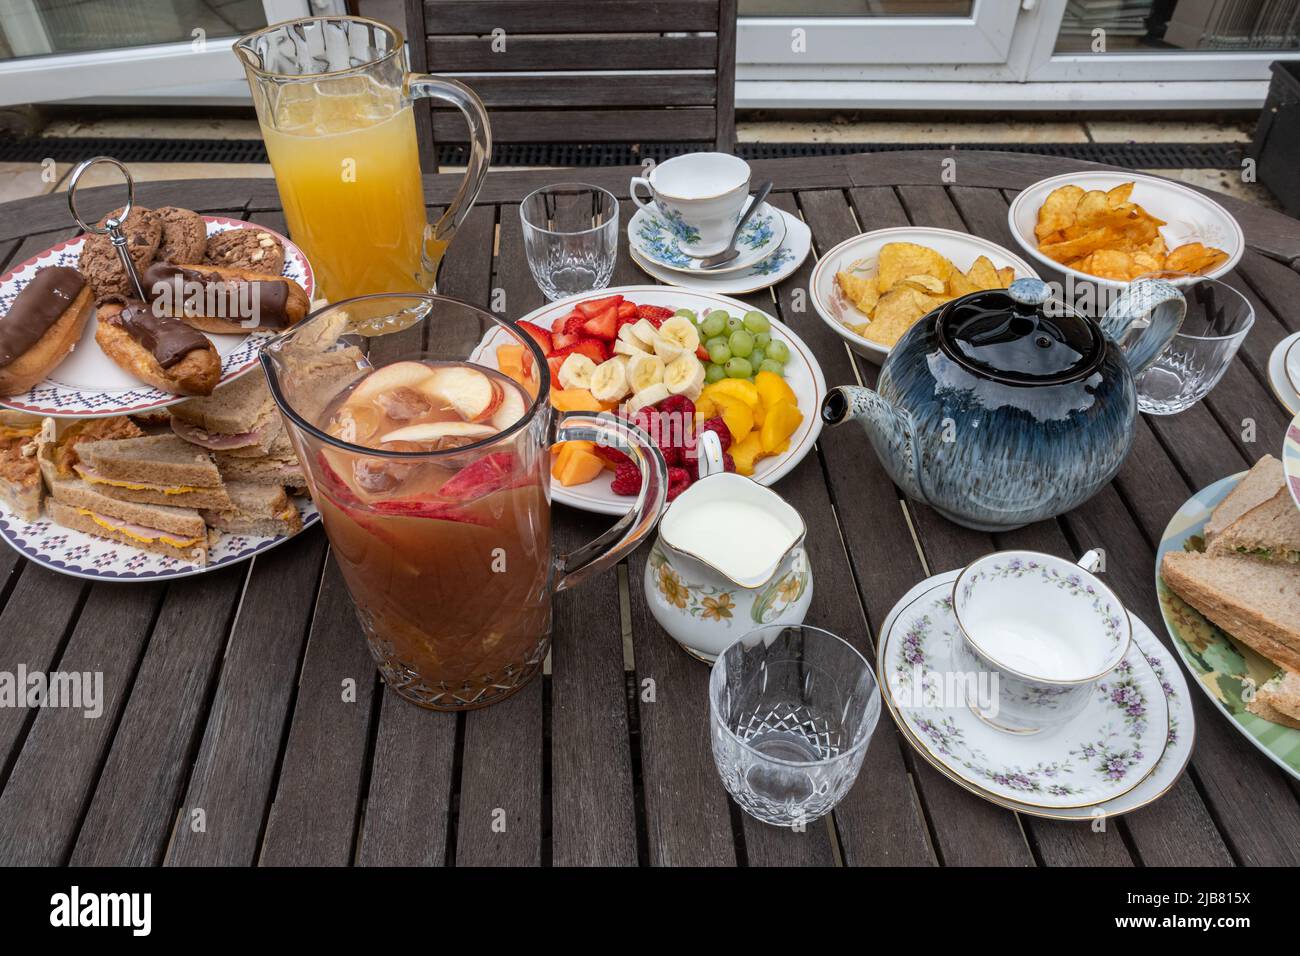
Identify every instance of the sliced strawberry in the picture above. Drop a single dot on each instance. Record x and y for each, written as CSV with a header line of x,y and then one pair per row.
x,y
594,349
627,310
559,324
701,353
574,322
490,473
655,313
563,340
553,362
603,325
540,335
419,508
623,320
596,306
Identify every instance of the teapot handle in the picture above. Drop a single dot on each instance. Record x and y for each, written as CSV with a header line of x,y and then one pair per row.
x,y
1157,301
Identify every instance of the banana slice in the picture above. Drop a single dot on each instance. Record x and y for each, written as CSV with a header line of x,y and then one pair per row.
x,y
645,330
667,349
609,380
624,347
627,333
647,396
576,371
644,370
685,376
680,331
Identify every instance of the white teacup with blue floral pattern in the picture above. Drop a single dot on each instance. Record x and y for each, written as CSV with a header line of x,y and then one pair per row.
x,y
1048,629
700,195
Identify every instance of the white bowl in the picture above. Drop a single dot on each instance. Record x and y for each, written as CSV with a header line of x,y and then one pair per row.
x,y
838,312
1189,216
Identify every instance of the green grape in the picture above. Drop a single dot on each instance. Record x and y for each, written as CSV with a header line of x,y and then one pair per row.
x,y
713,372
735,322
756,357
713,324
769,365
739,368
779,351
686,312
741,342
757,322
714,340
719,353
761,339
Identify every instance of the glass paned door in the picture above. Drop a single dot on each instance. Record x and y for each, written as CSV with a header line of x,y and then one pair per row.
x,y
1172,26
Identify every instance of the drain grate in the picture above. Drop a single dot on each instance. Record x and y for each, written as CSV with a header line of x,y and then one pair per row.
x,y
1129,155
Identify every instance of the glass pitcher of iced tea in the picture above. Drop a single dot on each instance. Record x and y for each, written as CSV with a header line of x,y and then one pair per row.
x,y
431,470
334,102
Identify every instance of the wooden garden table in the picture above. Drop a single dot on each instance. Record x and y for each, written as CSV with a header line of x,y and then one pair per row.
x,y
223,692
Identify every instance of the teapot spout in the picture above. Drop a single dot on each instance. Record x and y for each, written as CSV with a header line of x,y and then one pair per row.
x,y
889,428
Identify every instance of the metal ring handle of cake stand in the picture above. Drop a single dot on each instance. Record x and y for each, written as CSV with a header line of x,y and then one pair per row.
x,y
113,225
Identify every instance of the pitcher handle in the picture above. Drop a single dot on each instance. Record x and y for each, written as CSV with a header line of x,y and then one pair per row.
x,y
1154,298
634,527
480,142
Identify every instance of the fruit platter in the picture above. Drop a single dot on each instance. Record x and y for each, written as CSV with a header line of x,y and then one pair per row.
x,y
661,357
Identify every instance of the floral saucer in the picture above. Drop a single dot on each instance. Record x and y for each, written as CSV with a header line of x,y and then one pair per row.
x,y
1284,373
1105,752
654,239
1179,741
777,267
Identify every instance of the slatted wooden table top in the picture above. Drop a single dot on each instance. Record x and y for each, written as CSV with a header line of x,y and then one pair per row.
x,y
223,692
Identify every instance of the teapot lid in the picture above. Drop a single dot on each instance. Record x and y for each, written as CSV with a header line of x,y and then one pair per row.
x,y
1006,335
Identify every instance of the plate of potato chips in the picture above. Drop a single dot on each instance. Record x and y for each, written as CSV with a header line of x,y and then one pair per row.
x,y
1110,228
874,287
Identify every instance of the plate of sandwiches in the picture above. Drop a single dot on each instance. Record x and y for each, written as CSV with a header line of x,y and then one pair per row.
x,y
76,341
198,486
1228,578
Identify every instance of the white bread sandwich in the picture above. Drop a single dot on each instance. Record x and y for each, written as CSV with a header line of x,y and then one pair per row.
x,y
176,532
239,418
1278,699
1260,484
21,490
256,509
154,469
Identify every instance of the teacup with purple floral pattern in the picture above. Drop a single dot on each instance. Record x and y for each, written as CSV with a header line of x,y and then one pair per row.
x,y
1047,628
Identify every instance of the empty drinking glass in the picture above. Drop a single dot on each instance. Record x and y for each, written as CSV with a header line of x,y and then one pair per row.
x,y
791,710
1218,318
570,237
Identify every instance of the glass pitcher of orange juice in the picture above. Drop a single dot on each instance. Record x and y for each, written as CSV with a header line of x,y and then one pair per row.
x,y
334,102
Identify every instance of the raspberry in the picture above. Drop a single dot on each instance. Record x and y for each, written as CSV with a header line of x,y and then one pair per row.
x,y
679,479
678,405
627,480
720,427
728,463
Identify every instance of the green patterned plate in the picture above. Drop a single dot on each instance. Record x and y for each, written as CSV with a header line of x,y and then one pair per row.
x,y
1225,669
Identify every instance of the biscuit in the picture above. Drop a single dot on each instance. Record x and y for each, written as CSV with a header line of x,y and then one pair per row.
x,y
249,250
99,261
184,235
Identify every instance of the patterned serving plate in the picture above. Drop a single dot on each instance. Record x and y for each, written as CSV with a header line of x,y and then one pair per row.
x,y
802,373
88,384
653,239
1104,753
1179,741
775,268
1280,375
89,556
1225,669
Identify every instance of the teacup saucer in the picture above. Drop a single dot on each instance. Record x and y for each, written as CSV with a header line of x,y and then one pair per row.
x,y
1179,740
653,239
1284,373
1104,753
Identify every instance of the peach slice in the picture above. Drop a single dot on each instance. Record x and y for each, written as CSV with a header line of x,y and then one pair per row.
x,y
510,411
432,431
398,375
472,394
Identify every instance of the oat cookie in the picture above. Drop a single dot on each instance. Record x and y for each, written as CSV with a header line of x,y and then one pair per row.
x,y
184,235
249,249
99,262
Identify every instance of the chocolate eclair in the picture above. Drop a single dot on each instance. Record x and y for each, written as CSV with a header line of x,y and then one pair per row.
x,y
42,326
224,300
158,349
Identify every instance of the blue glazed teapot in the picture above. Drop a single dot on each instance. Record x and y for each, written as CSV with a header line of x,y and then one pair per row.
x,y
1007,407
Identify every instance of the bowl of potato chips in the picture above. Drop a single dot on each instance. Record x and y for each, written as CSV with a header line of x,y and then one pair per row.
x,y
874,287
1110,228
